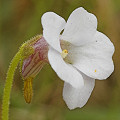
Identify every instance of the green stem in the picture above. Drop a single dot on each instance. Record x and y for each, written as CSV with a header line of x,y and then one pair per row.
x,y
8,85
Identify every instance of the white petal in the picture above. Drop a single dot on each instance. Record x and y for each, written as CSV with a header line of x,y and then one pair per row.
x,y
78,97
94,59
80,27
65,71
52,24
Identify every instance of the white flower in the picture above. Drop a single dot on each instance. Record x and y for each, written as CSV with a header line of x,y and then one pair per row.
x,y
78,56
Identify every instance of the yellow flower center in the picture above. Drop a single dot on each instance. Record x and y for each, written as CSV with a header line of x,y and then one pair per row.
x,y
64,53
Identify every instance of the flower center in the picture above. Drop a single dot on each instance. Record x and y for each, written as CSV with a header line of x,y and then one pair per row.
x,y
64,53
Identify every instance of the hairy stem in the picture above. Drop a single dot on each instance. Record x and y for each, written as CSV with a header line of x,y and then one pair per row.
x,y
8,85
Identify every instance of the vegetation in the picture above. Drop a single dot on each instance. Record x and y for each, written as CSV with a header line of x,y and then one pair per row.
x,y
19,21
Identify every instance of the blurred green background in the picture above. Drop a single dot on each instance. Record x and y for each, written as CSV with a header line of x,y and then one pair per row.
x,y
19,21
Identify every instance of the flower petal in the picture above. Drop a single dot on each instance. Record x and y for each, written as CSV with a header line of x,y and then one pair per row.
x,y
78,97
80,27
52,24
65,71
95,58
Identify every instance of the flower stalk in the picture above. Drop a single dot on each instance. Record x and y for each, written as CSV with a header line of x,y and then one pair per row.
x,y
9,80
32,56
8,85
